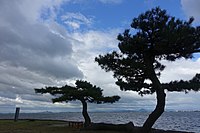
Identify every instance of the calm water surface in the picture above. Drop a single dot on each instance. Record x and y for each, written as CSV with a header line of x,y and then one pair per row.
x,y
184,121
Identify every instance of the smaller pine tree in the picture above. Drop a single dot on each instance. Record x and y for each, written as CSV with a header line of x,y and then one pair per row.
x,y
83,91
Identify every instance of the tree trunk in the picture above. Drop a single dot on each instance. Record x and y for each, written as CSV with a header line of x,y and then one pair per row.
x,y
85,114
160,95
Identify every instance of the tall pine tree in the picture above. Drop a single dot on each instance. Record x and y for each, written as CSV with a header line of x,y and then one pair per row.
x,y
154,36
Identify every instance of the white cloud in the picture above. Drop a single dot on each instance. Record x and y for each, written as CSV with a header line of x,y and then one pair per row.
x,y
75,20
182,101
32,54
111,1
191,8
74,25
34,46
32,10
180,69
88,46
96,42
102,1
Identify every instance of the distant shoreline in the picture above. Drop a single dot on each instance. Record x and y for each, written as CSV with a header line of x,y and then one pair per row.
x,y
145,111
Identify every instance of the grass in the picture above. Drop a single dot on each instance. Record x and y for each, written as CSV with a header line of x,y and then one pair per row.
x,y
40,126
49,126
27,126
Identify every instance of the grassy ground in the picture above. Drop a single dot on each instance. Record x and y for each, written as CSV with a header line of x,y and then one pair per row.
x,y
29,126
50,126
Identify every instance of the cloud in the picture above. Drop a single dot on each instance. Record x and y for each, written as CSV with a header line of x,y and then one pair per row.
x,y
180,69
191,8
32,54
20,81
88,46
75,20
102,1
182,101
111,1
36,51
35,10
34,46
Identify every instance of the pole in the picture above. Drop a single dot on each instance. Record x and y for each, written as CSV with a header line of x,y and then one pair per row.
x,y
17,114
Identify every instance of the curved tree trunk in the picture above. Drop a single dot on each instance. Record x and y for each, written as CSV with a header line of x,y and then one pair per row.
x,y
160,95
85,114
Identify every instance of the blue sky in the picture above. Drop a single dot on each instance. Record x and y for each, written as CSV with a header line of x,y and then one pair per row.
x,y
54,42
106,15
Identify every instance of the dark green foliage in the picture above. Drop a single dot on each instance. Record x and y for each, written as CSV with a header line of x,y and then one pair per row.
x,y
156,36
193,84
82,91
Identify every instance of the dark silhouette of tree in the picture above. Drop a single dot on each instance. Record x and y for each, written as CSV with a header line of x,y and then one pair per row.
x,y
83,91
154,36
186,86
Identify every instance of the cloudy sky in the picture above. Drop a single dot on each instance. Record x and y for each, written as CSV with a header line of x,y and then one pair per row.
x,y
54,42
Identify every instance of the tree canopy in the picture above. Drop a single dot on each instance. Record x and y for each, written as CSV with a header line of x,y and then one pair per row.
x,y
158,37
183,85
154,36
83,91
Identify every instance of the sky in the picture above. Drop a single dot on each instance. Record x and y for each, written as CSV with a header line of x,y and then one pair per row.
x,y
54,42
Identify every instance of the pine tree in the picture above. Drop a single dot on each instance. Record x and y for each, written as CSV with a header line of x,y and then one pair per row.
x,y
83,91
154,36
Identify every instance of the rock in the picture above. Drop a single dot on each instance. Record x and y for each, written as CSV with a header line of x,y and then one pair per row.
x,y
129,127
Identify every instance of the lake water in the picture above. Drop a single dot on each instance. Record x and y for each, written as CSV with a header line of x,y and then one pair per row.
x,y
184,121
